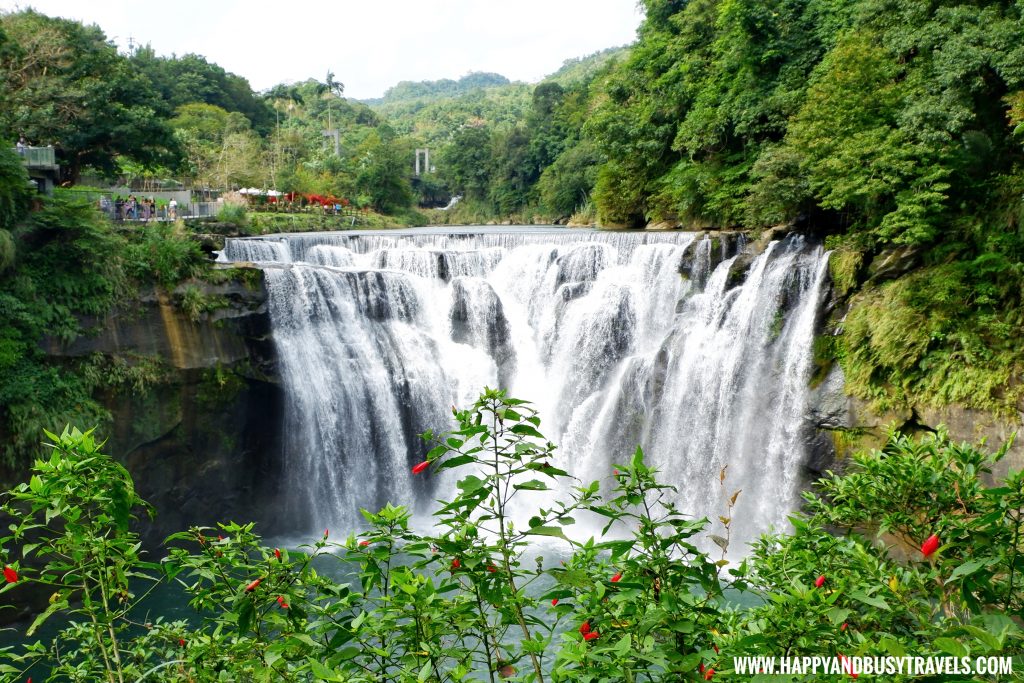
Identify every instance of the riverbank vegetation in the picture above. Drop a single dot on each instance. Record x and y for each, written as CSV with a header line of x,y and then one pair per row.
x,y
907,553
63,268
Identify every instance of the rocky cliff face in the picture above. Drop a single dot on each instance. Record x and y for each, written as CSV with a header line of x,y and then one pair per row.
x,y
844,423
204,443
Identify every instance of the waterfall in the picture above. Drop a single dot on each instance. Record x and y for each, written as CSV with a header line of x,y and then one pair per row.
x,y
681,343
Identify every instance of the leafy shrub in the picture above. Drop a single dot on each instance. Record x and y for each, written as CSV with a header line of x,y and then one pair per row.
x,y
233,214
642,604
162,253
196,304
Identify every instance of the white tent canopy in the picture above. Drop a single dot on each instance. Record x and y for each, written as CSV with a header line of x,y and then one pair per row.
x,y
257,191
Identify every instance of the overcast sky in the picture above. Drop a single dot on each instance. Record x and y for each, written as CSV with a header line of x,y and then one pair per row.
x,y
369,44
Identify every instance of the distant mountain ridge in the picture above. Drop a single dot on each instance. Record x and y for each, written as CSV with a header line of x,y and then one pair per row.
x,y
435,110
444,88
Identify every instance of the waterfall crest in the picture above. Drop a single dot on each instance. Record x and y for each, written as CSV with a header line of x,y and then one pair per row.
x,y
667,340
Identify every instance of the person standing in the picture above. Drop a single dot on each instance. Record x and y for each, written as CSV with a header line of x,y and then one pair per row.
x,y
173,208
22,146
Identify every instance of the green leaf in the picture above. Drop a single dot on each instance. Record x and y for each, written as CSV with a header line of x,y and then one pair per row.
x,y
457,461
321,671
638,458
838,615
546,531
246,610
471,483
49,612
861,596
532,485
526,430
967,568
951,646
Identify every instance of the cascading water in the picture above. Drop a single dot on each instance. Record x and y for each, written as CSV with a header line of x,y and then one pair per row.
x,y
666,340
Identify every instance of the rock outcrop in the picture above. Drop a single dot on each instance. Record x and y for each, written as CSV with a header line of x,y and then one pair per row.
x,y
203,444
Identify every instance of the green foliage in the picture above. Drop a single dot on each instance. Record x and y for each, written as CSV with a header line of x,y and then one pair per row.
x,y
911,489
938,336
196,304
567,182
71,262
233,214
14,197
466,162
383,175
160,252
66,85
844,265
190,80
467,601
442,89
580,70
73,515
7,250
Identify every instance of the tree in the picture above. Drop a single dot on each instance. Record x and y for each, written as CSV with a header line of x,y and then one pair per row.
x,y
191,79
466,161
67,86
384,168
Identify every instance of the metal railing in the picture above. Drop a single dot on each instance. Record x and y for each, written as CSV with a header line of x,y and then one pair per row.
x,y
37,156
121,212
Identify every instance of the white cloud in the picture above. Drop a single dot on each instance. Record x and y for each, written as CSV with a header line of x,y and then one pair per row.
x,y
369,44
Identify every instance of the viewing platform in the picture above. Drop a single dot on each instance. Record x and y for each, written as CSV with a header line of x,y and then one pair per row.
x,y
41,163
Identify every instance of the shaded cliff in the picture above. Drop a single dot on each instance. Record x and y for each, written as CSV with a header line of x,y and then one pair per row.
x,y
203,439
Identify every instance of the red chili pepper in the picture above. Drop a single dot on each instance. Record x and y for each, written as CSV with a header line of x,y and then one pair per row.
x,y
281,602
930,545
820,581
554,601
591,636
491,568
277,553
456,564
420,467
363,544
617,577
585,627
252,586
10,575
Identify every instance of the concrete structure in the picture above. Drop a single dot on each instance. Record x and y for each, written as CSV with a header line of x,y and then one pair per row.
x,y
333,134
41,164
427,168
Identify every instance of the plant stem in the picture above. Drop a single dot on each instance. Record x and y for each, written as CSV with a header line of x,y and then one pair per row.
x,y
503,537
1013,559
